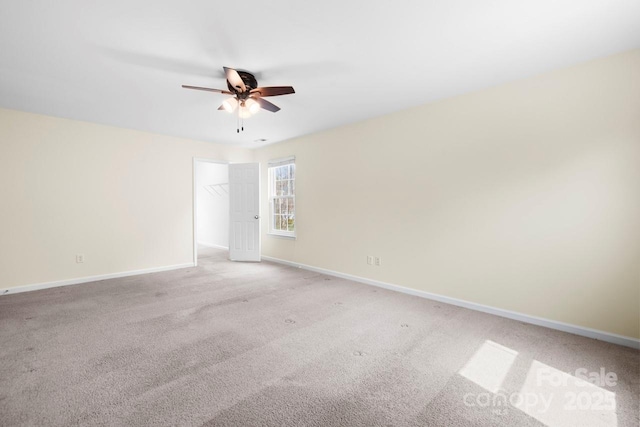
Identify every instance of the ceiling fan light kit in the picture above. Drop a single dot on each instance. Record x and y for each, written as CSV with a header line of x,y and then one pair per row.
x,y
247,95
229,105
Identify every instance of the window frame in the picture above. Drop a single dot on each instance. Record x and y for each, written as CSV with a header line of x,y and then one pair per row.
x,y
272,195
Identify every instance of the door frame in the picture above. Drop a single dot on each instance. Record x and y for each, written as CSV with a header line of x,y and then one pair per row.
x,y
195,202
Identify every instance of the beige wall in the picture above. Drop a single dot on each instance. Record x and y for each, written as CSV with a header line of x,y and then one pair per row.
x,y
524,197
122,198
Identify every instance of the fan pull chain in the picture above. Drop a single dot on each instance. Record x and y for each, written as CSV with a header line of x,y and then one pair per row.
x,y
239,120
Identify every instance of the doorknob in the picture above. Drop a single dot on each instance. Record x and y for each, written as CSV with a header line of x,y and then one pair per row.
x,y
257,216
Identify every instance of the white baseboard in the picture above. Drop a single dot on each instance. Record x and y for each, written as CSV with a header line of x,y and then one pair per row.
x,y
46,285
213,245
552,324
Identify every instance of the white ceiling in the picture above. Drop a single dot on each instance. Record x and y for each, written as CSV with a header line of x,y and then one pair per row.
x,y
121,62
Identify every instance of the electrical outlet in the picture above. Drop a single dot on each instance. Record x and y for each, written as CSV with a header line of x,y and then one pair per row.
x,y
378,261
79,258
369,260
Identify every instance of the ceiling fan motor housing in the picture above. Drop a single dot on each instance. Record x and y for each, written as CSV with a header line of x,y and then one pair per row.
x,y
249,81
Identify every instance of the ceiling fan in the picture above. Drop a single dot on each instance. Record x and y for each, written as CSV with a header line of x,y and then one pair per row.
x,y
247,96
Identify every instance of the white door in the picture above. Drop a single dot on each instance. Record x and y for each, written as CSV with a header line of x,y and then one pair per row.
x,y
244,210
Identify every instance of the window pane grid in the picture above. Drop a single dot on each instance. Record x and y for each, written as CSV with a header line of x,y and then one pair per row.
x,y
282,198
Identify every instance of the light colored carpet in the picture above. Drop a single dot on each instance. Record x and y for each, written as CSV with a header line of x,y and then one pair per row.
x,y
240,344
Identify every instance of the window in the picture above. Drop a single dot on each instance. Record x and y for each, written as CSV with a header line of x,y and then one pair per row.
x,y
282,197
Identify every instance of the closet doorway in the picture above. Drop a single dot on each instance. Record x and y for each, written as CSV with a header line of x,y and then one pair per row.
x,y
210,205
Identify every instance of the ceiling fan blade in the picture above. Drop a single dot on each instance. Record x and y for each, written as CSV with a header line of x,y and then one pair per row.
x,y
267,105
234,78
226,92
273,90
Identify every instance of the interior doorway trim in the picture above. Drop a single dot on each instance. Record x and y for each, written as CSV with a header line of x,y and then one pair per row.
x,y
195,202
